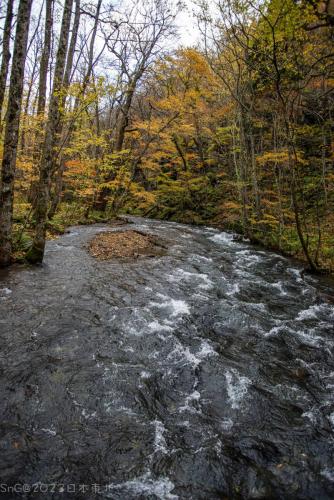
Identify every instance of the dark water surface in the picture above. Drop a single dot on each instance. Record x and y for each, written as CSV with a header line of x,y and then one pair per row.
x,y
205,373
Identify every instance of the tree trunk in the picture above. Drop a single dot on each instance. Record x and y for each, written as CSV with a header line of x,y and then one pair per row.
x,y
71,50
12,131
58,188
49,154
44,66
124,114
90,63
42,88
5,54
179,149
25,117
240,172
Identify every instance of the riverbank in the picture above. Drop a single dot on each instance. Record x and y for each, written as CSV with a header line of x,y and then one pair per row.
x,y
71,214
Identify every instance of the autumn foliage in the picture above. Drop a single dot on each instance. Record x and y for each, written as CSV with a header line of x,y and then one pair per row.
x,y
237,132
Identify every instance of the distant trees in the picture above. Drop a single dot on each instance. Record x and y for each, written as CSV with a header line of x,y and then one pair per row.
x,y
264,53
264,142
135,45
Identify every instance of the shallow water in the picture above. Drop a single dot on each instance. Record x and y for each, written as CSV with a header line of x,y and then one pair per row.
x,y
204,373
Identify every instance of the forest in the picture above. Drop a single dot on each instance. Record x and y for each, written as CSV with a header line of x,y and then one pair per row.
x,y
104,112
167,249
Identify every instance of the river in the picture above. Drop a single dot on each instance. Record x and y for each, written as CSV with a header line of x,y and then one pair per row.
x,y
204,373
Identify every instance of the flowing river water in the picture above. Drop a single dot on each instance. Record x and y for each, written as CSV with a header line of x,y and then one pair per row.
x,y
204,373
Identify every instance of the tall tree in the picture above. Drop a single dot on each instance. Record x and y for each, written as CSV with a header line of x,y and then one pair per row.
x,y
49,149
12,130
5,54
44,64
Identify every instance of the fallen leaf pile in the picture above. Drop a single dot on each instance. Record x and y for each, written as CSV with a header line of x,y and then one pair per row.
x,y
110,245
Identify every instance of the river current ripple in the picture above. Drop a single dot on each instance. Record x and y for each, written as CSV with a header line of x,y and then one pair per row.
x,y
204,373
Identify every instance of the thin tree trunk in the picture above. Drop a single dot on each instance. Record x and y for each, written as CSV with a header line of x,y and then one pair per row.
x,y
239,183
12,131
278,177
180,152
124,114
58,188
71,49
42,89
43,72
5,54
25,118
90,63
254,176
53,127
45,58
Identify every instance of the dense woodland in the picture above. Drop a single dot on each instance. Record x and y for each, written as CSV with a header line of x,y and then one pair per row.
x,y
103,113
